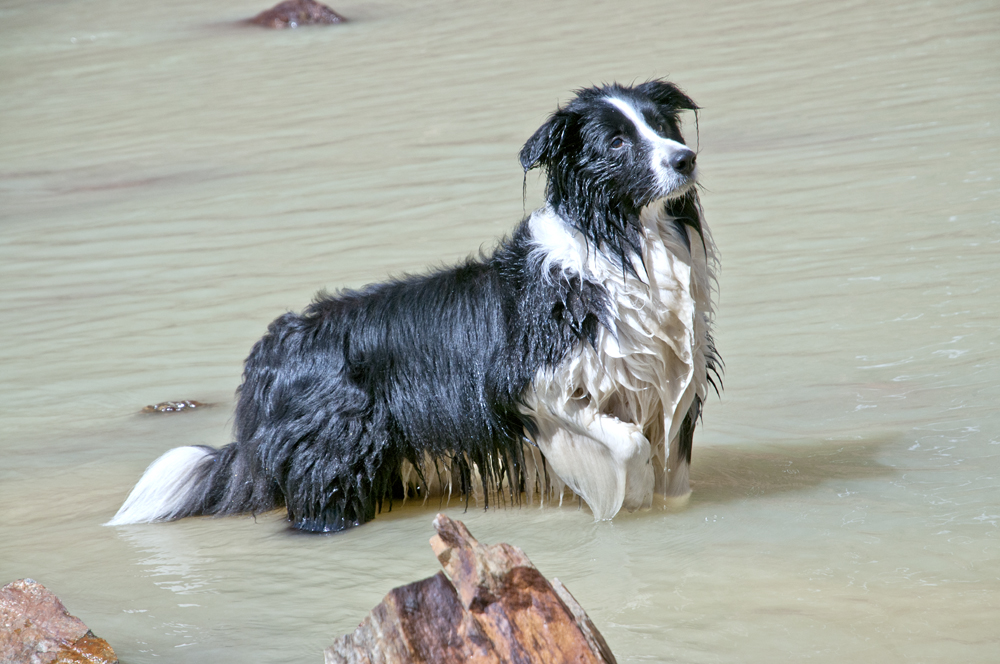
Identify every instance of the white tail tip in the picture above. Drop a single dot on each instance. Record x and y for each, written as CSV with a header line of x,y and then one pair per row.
x,y
162,489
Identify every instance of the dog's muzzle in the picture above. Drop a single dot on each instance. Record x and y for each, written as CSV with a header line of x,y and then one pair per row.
x,y
682,161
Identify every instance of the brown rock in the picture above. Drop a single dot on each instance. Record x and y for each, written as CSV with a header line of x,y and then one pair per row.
x,y
173,406
296,13
497,608
35,627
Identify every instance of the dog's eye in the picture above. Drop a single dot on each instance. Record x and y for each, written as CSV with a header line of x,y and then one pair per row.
x,y
617,142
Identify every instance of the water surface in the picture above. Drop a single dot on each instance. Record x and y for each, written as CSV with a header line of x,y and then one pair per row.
x,y
171,181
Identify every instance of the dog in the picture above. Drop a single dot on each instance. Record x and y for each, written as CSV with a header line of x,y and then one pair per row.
x,y
577,354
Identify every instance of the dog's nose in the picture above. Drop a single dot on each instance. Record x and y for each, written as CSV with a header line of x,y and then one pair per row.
x,y
682,161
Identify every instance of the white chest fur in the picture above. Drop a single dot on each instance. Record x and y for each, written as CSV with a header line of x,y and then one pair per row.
x,y
609,415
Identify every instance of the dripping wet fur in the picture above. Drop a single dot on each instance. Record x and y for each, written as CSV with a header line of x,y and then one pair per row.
x,y
509,373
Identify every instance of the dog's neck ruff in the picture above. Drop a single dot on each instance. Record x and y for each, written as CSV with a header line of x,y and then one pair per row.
x,y
608,413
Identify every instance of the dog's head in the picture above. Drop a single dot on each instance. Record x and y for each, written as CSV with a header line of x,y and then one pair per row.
x,y
614,146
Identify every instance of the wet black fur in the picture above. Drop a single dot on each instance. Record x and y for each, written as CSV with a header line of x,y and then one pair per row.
x,y
599,189
334,399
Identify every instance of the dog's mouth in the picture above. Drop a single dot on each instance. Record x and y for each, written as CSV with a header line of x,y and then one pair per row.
x,y
676,170
675,188
682,189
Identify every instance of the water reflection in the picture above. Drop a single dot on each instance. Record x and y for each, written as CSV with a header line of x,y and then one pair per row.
x,y
730,473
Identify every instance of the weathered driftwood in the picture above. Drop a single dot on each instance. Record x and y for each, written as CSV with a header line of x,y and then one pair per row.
x,y
497,608
35,627
296,13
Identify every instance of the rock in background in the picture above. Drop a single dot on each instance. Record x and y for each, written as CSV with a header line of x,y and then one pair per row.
x,y
174,406
296,13
497,608
35,627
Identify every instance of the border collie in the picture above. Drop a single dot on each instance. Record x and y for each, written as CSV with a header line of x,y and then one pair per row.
x,y
578,354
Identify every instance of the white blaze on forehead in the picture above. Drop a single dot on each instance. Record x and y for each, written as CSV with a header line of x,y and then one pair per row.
x,y
661,150
641,125
629,112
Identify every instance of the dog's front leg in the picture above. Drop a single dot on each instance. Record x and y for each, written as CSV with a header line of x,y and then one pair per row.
x,y
604,460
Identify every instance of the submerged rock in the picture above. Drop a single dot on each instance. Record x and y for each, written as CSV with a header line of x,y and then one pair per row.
x,y
296,13
496,608
35,627
173,406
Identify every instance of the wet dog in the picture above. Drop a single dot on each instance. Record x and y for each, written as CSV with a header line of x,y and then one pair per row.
x,y
577,354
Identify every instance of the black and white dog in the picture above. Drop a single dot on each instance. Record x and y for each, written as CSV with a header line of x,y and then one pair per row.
x,y
577,355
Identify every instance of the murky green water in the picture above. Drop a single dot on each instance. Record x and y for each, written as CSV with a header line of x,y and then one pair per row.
x,y
171,182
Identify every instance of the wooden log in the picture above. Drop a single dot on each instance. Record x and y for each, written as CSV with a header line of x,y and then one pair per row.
x,y
35,627
497,608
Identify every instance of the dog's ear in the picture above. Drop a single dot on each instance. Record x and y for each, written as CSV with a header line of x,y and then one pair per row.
x,y
545,143
667,94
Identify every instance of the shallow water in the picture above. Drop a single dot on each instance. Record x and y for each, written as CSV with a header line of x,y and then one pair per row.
x,y
170,182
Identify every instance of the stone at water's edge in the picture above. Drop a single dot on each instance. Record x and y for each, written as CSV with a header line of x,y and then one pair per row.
x,y
35,627
296,13
496,609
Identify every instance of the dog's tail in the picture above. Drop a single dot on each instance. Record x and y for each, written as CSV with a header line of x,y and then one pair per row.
x,y
190,481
